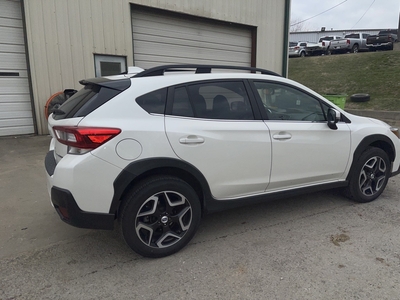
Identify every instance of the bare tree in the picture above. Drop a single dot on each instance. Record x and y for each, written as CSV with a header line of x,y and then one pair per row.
x,y
297,25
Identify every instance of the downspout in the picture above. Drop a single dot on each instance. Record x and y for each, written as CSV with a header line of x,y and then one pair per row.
x,y
286,39
28,65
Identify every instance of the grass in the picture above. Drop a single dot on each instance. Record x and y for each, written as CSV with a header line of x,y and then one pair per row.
x,y
375,73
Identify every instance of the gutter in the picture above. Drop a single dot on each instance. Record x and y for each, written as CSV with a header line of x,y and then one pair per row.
x,y
285,58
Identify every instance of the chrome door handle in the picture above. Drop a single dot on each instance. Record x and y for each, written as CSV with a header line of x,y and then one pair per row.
x,y
191,139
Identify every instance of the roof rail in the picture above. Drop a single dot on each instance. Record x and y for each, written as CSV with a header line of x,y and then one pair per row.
x,y
160,70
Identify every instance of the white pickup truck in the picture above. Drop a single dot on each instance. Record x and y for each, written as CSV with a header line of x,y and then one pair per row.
x,y
322,46
353,42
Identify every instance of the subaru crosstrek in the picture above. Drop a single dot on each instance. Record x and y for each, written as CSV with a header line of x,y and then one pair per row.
x,y
158,149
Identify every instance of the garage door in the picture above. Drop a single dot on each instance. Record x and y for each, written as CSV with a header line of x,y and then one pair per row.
x,y
166,38
15,103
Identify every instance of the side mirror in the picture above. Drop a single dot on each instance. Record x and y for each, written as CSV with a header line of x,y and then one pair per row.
x,y
333,118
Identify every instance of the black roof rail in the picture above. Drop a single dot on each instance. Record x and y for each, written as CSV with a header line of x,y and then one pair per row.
x,y
160,70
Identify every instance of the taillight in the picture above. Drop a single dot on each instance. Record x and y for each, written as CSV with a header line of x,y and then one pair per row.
x,y
297,48
348,42
323,44
87,138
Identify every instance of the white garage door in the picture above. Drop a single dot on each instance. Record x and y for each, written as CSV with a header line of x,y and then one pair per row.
x,y
164,38
15,103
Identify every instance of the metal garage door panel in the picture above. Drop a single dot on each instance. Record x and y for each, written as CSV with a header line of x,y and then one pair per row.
x,y
165,39
12,61
15,103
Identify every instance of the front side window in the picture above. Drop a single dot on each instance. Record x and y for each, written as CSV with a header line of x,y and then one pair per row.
x,y
282,102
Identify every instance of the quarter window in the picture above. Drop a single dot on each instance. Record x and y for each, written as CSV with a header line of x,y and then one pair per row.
x,y
153,102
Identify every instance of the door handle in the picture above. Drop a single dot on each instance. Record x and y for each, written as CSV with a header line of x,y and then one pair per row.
x,y
282,136
191,139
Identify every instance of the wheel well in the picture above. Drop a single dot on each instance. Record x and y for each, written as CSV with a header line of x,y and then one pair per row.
x,y
165,171
378,141
385,147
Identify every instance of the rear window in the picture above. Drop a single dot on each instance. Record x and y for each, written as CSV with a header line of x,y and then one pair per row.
x,y
326,38
352,36
292,44
91,97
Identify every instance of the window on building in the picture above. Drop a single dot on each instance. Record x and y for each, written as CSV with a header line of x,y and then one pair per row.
x,y
106,65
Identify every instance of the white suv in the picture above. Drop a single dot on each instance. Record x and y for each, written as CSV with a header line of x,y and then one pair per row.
x,y
159,149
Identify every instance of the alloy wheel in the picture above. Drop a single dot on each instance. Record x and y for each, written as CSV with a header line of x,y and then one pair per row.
x,y
372,176
163,219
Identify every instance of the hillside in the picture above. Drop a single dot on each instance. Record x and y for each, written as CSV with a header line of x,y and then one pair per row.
x,y
375,73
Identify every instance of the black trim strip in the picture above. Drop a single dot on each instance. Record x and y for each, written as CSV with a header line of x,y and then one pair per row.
x,y
16,74
70,213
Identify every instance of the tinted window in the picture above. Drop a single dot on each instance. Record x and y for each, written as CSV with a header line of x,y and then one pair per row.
x,y
285,103
221,100
181,104
352,36
153,102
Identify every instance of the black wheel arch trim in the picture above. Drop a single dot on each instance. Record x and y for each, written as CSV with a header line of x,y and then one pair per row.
x,y
138,170
375,140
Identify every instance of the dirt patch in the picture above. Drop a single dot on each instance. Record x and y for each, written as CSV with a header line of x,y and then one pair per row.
x,y
339,238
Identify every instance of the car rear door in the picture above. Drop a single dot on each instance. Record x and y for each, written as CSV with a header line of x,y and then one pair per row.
x,y
211,125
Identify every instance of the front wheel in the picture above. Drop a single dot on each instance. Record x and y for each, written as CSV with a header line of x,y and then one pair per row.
x,y
160,216
369,176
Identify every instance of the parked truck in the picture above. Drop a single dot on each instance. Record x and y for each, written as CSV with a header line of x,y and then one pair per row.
x,y
322,46
383,40
353,42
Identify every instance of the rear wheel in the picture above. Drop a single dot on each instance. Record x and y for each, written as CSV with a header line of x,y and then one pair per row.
x,y
160,216
354,49
370,175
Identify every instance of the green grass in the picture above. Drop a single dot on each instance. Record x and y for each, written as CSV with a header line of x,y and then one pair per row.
x,y
375,73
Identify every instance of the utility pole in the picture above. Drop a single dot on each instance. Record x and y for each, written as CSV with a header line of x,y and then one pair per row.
x,y
398,29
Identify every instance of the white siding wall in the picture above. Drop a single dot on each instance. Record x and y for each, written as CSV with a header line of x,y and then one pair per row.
x,y
64,34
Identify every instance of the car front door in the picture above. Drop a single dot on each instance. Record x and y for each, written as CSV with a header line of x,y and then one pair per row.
x,y
305,151
211,125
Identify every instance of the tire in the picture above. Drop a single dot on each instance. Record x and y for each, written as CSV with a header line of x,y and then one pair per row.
x,y
160,216
302,54
360,97
54,102
369,176
355,48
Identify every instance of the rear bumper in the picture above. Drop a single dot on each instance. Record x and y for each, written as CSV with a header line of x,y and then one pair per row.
x,y
379,45
67,207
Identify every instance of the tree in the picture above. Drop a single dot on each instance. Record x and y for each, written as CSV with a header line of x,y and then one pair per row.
x,y
297,25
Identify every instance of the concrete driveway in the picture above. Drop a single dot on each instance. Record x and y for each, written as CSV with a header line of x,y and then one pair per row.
x,y
318,246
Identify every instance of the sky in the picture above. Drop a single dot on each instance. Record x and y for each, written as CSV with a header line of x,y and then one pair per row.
x,y
348,14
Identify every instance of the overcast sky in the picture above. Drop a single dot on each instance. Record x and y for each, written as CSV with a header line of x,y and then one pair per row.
x,y
348,14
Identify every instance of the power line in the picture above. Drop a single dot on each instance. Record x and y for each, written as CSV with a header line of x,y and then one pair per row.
x,y
363,14
320,13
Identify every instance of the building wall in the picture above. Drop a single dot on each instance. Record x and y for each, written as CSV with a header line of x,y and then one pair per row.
x,y
63,35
